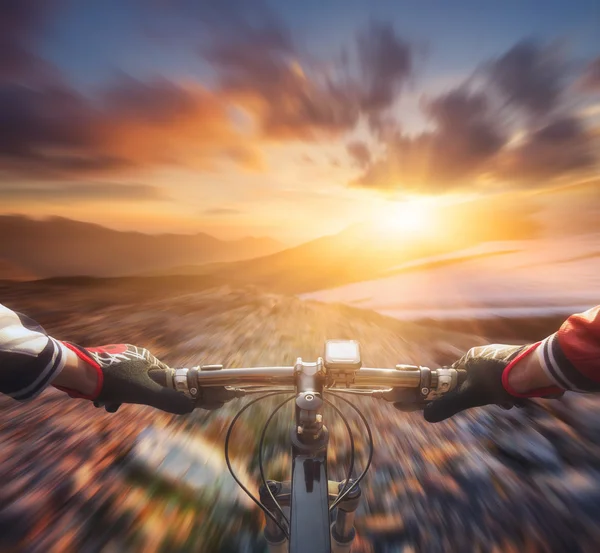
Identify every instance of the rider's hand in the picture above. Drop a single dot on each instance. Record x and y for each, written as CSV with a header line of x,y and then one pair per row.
x,y
124,376
489,381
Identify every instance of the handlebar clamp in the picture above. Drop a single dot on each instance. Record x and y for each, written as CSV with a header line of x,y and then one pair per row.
x,y
193,385
425,382
180,380
447,380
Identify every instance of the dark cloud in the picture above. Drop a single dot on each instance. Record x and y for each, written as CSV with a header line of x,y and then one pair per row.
x,y
531,76
51,130
82,192
244,49
467,134
36,120
48,129
464,141
563,146
524,90
20,23
255,57
386,65
260,69
590,80
54,131
158,101
39,113
359,153
17,62
221,211
258,64
24,16
307,111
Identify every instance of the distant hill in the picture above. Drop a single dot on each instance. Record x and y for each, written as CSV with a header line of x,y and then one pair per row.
x,y
327,261
365,252
11,271
61,247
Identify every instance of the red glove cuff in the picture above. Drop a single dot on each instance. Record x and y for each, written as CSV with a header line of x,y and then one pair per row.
x,y
82,354
538,392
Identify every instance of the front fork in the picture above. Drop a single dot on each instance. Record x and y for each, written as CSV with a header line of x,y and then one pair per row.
x,y
342,529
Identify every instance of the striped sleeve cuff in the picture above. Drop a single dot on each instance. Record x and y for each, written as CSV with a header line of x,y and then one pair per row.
x,y
560,370
55,364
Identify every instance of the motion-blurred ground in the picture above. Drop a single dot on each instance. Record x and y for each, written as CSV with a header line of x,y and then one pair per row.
x,y
491,480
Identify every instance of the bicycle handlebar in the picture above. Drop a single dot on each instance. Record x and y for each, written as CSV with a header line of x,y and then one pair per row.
x,y
429,382
309,496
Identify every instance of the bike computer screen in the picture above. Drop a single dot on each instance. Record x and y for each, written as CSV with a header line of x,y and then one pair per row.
x,y
342,354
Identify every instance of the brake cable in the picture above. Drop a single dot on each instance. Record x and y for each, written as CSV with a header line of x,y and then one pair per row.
x,y
353,392
265,390
348,485
260,450
351,436
260,459
345,493
232,472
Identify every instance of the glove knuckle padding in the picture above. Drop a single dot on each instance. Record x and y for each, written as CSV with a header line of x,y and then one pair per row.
x,y
126,380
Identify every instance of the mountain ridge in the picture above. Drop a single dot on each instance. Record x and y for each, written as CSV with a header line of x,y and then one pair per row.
x,y
59,246
364,251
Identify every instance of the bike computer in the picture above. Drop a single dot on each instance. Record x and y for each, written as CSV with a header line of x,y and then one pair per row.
x,y
342,355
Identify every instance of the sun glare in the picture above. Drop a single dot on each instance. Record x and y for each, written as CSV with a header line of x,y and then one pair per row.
x,y
409,217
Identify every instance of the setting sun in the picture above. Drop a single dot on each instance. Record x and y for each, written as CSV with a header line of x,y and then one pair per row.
x,y
412,216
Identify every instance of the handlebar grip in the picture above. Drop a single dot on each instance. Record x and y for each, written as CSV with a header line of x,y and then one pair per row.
x,y
160,376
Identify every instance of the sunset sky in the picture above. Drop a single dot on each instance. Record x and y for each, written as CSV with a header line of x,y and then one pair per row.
x,y
294,119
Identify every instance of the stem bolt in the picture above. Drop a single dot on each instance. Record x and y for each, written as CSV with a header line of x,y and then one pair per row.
x,y
309,397
425,391
193,391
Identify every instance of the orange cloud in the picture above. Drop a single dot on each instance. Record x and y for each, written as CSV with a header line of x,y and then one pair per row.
x,y
53,131
162,123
